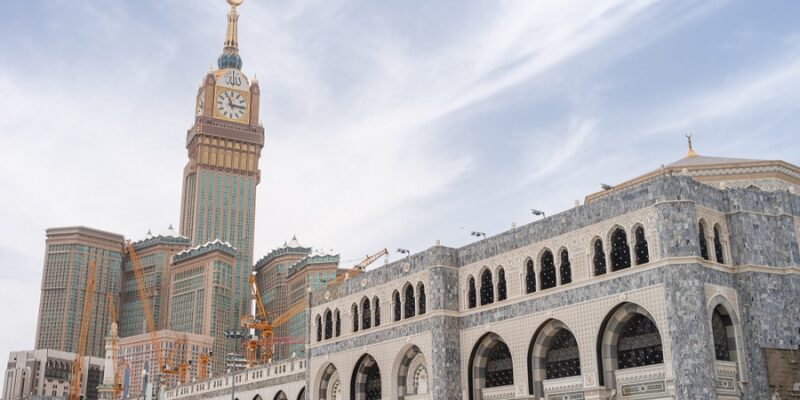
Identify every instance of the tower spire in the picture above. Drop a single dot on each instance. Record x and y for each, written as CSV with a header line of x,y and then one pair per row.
x,y
691,152
230,53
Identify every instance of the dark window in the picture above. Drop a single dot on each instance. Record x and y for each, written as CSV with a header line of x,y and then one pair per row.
x,y
599,258
355,318
499,367
702,239
409,311
620,252
373,382
472,296
328,325
547,275
530,278
642,252
501,285
422,300
398,310
562,358
639,343
319,328
487,288
377,311
718,246
566,268
720,325
338,323
366,314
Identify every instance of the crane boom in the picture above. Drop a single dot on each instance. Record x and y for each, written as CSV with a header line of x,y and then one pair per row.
x,y
77,365
151,326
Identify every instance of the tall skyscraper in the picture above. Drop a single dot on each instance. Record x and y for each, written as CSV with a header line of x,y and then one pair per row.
x,y
69,251
220,178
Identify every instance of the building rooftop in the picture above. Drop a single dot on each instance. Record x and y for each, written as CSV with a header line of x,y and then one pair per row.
x,y
215,245
169,236
291,247
319,258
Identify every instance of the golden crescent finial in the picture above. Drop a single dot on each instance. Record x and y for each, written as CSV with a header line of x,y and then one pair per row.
x,y
235,3
691,152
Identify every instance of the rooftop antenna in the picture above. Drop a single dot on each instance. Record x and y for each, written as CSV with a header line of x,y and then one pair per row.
x,y
691,152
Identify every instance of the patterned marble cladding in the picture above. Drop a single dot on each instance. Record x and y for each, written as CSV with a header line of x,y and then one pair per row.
x,y
445,359
760,220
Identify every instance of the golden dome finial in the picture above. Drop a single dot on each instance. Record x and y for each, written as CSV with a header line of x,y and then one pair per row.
x,y
235,3
691,152
230,54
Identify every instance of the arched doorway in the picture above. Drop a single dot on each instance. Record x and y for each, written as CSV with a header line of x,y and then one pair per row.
x,y
553,354
629,338
490,366
412,373
366,381
329,385
281,396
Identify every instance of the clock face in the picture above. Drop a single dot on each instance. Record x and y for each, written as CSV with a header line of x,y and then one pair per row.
x,y
201,103
231,104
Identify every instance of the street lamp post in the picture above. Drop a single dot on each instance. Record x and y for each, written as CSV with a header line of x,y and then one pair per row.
x,y
236,335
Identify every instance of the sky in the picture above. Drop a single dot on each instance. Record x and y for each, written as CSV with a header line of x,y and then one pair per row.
x,y
388,124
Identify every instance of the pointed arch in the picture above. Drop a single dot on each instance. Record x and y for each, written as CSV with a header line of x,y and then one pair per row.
x,y
565,268
422,301
354,310
598,257
701,239
337,322
502,289
547,272
319,328
366,381
410,302
328,324
397,306
487,287
472,297
628,338
280,396
530,277
620,251
718,250
411,376
366,314
376,310
553,354
328,378
490,365
302,394
640,247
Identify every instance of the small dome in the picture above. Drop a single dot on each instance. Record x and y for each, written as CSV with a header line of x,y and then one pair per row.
x,y
170,232
229,59
294,243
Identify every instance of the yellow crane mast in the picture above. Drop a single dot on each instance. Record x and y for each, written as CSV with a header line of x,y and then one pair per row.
x,y
77,365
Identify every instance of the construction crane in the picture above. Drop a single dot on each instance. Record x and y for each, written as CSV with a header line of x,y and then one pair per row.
x,y
257,348
360,267
163,366
117,388
77,365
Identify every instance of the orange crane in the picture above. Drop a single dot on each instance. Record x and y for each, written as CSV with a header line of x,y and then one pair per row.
x,y
257,348
163,366
360,267
77,365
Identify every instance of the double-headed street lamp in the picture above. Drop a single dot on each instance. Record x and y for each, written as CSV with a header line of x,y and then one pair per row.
x,y
237,335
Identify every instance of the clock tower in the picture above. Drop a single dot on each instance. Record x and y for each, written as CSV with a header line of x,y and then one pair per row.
x,y
220,178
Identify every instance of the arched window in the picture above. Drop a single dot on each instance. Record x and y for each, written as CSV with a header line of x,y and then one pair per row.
x,y
487,288
499,371
562,358
319,328
547,276
724,336
355,317
701,236
599,258
472,297
366,382
718,246
620,252
366,314
530,277
566,268
501,285
398,308
642,252
409,300
376,306
422,300
639,343
338,323
328,324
